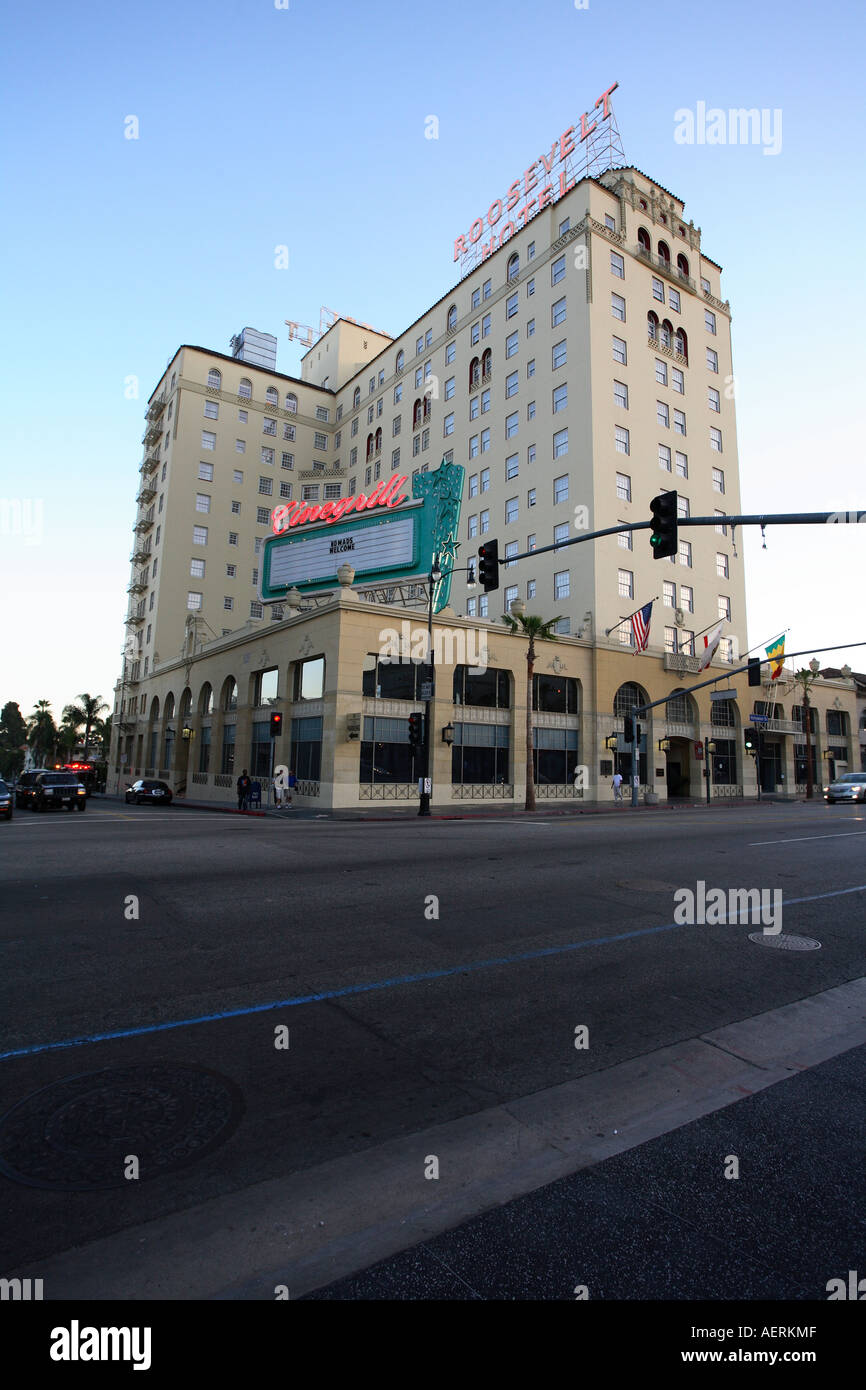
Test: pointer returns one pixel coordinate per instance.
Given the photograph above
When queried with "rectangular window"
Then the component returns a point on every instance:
(709, 321)
(476, 298)
(712, 360)
(289, 431)
(530, 328)
(683, 507)
(256, 609)
(560, 354)
(511, 510)
(485, 401)
(670, 639)
(674, 299)
(620, 351)
(530, 410)
(266, 486)
(530, 368)
(687, 598)
(240, 446)
(685, 554)
(530, 497)
(531, 542)
(721, 565)
(448, 424)
(557, 270)
(243, 416)
(202, 502)
(687, 642)
(208, 440)
(620, 394)
(473, 525)
(669, 594)
(617, 265)
(428, 337)
(530, 287)
(450, 353)
(663, 416)
(473, 446)
(285, 490)
(320, 441)
(682, 465)
(511, 344)
(396, 425)
(475, 333)
(262, 516)
(705, 285)
(625, 583)
(486, 289)
(512, 466)
(558, 313)
(485, 480)
(228, 603)
(449, 388)
(322, 412)
(562, 584)
(511, 594)
(473, 484)
(678, 381)
(398, 393)
(199, 535)
(716, 441)
(718, 480)
(661, 372)
(622, 441)
(205, 473)
(658, 290)
(560, 398)
(473, 408)
(269, 426)
(395, 459)
(560, 443)
(196, 569)
(193, 600)
(231, 571)
(560, 533)
(724, 607)
(623, 487)
(625, 540)
(679, 422)
(268, 456)
(511, 425)
(484, 522)
(530, 452)
(287, 460)
(511, 384)
(714, 400)
(665, 458)
(609, 222)
(617, 307)
(211, 410)
(233, 537)
(560, 488)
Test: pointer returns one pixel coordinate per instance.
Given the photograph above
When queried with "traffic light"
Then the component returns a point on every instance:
(416, 730)
(754, 670)
(488, 566)
(276, 723)
(628, 728)
(663, 537)
(750, 738)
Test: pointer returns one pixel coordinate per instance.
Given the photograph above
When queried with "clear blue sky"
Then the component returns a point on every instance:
(305, 127)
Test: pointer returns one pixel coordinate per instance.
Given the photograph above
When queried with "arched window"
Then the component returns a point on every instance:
(451, 321)
(678, 707)
(416, 415)
(230, 693)
(683, 265)
(643, 239)
(664, 252)
(643, 204)
(369, 445)
(487, 362)
(245, 389)
(379, 440)
(681, 343)
(154, 707)
(272, 396)
(356, 399)
(185, 704)
(428, 409)
(398, 366)
(169, 706)
(291, 401)
(663, 218)
(513, 266)
(652, 325)
(214, 378)
(474, 372)
(205, 699)
(628, 697)
(667, 333)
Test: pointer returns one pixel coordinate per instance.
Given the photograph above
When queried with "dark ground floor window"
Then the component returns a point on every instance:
(724, 762)
(385, 752)
(554, 756)
(261, 749)
(204, 748)
(480, 753)
(228, 758)
(801, 773)
(306, 756)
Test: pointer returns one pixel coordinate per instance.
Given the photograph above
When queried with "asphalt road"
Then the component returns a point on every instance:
(139, 923)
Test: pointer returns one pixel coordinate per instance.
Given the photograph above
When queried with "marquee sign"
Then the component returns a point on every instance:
(385, 536)
(560, 156)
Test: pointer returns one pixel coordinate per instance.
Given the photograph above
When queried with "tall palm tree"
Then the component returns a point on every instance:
(536, 630)
(87, 712)
(67, 731)
(805, 679)
(41, 730)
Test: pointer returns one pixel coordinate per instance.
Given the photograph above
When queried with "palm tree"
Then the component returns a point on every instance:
(87, 712)
(67, 731)
(41, 730)
(806, 679)
(537, 630)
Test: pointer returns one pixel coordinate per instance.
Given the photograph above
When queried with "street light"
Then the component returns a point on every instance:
(709, 750)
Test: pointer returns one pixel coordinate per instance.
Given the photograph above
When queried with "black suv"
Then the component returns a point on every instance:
(25, 787)
(5, 800)
(58, 789)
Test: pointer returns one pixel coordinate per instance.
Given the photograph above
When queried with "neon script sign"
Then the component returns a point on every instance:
(560, 152)
(384, 494)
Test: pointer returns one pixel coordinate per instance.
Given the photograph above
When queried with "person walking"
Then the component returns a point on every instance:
(243, 787)
(291, 783)
(617, 786)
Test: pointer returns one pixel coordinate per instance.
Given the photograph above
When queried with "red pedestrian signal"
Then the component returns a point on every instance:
(416, 730)
(276, 724)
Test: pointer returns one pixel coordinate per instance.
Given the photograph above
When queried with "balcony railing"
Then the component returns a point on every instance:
(156, 407)
(666, 350)
(671, 272)
(483, 380)
(150, 463)
(147, 491)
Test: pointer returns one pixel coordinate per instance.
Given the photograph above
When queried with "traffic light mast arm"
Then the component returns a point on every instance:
(738, 670)
(750, 519)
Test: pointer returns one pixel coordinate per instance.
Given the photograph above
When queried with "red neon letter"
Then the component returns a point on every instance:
(510, 229)
(326, 514)
(513, 195)
(566, 144)
(604, 98)
(473, 235)
(526, 183)
(544, 196)
(459, 247)
(584, 132)
(279, 517)
(547, 161)
(563, 186)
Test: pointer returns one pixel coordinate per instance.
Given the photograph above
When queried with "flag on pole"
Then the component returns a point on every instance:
(640, 626)
(711, 641)
(776, 653)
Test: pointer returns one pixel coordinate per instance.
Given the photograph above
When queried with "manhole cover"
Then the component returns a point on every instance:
(647, 885)
(784, 942)
(75, 1135)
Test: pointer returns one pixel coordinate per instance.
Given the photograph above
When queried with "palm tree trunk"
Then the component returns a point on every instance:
(530, 772)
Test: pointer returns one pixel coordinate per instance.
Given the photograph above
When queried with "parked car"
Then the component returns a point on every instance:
(851, 786)
(146, 789)
(25, 787)
(5, 801)
(53, 789)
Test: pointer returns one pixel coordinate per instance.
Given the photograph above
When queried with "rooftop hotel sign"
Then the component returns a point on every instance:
(387, 537)
(546, 180)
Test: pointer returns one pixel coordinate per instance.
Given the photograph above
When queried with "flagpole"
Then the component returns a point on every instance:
(609, 630)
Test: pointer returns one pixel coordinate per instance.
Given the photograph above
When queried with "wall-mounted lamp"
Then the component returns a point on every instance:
(664, 745)
(448, 734)
(610, 743)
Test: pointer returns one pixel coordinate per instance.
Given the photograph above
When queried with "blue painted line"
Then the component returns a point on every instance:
(469, 968)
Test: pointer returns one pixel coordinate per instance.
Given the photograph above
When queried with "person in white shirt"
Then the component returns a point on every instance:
(617, 786)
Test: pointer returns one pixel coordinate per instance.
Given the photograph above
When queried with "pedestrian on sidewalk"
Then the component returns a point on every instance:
(291, 783)
(244, 786)
(617, 786)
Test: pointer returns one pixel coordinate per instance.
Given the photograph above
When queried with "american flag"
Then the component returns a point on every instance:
(640, 626)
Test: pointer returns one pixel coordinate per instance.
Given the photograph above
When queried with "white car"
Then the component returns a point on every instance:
(851, 786)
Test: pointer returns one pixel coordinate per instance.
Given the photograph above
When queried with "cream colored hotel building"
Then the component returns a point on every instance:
(576, 372)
